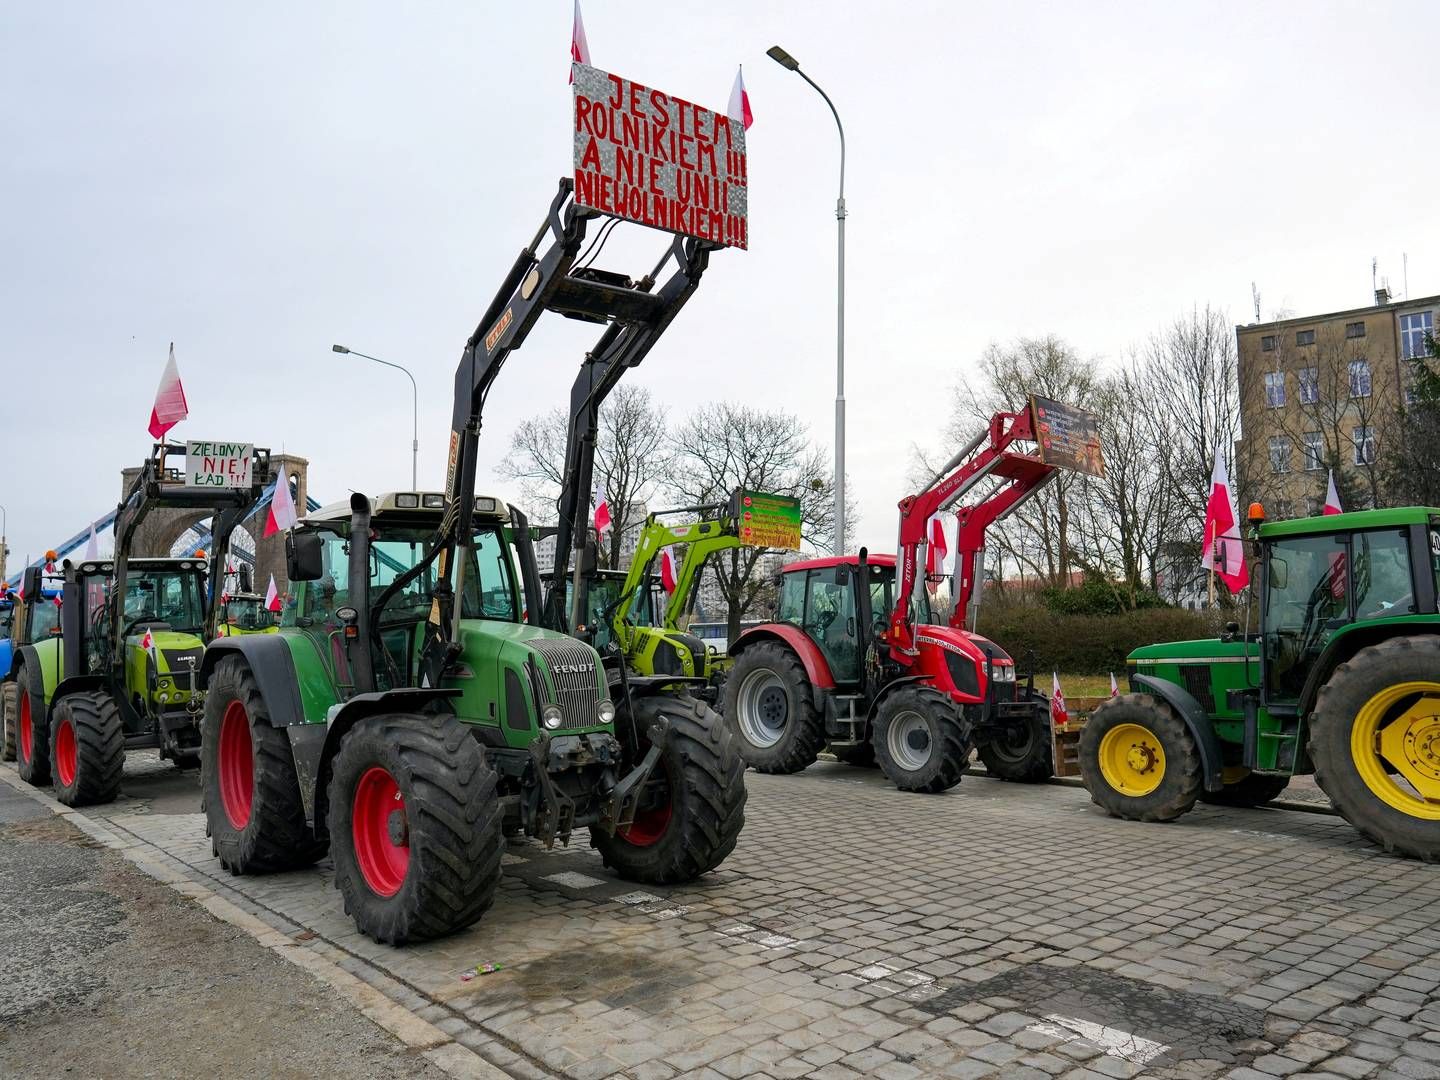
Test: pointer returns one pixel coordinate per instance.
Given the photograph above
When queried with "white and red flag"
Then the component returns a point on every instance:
(92, 549)
(1058, 713)
(1332, 497)
(579, 46)
(935, 551)
(148, 641)
(739, 100)
(282, 507)
(1114, 686)
(669, 569)
(603, 522)
(169, 408)
(1224, 550)
(272, 596)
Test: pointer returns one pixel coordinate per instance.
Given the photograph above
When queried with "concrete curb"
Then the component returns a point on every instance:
(417, 1034)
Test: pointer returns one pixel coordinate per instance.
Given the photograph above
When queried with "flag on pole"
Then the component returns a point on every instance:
(739, 100)
(1058, 713)
(603, 522)
(169, 408)
(579, 46)
(282, 507)
(669, 569)
(92, 549)
(272, 596)
(1332, 497)
(148, 641)
(935, 551)
(1114, 686)
(1223, 551)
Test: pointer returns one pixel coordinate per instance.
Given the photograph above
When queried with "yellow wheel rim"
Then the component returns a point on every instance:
(1132, 759)
(1395, 744)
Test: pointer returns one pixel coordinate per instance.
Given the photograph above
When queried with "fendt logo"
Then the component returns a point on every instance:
(569, 669)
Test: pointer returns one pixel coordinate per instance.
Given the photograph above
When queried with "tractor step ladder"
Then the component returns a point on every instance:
(846, 717)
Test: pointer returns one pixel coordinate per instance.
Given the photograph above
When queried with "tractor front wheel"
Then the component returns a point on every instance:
(87, 749)
(692, 812)
(32, 729)
(9, 702)
(248, 788)
(1249, 789)
(1022, 751)
(415, 827)
(921, 740)
(1375, 742)
(770, 707)
(1139, 760)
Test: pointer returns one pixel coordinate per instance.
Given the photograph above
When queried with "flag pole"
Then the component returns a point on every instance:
(1212, 565)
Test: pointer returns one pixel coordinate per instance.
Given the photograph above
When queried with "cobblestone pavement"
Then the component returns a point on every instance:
(997, 930)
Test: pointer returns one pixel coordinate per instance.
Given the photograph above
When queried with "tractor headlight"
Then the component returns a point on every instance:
(164, 697)
(1005, 673)
(551, 716)
(606, 711)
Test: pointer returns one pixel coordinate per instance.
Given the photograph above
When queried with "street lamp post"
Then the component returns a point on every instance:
(414, 411)
(789, 63)
(4, 547)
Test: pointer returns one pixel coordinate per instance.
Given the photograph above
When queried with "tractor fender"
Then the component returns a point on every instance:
(817, 668)
(270, 662)
(77, 684)
(1346, 644)
(890, 688)
(1212, 761)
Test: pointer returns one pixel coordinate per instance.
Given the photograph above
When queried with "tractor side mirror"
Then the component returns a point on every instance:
(30, 584)
(1279, 573)
(589, 558)
(246, 578)
(304, 550)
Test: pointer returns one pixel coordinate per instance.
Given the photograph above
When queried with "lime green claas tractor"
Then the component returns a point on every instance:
(122, 673)
(1342, 680)
(244, 613)
(35, 616)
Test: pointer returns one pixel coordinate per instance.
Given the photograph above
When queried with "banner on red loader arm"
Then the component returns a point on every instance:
(646, 156)
(1069, 438)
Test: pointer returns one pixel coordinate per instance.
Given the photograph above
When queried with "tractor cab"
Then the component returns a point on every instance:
(244, 613)
(603, 595)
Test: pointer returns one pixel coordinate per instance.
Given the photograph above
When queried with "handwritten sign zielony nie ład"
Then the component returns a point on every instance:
(217, 464)
(645, 156)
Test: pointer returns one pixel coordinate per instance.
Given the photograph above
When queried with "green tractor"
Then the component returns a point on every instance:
(1342, 680)
(34, 616)
(122, 673)
(412, 710)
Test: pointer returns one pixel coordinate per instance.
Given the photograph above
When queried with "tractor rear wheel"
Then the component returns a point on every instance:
(1022, 752)
(9, 702)
(1139, 760)
(696, 799)
(861, 755)
(87, 749)
(1375, 742)
(1251, 789)
(415, 827)
(248, 788)
(770, 708)
(32, 729)
(921, 740)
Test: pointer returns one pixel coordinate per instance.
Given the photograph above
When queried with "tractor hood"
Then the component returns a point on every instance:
(1197, 651)
(171, 648)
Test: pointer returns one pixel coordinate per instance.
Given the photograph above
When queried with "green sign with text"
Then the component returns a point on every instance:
(765, 520)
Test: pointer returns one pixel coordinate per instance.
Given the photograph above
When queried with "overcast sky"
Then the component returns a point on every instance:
(259, 181)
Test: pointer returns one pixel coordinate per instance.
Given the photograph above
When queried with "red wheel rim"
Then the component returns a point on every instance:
(27, 735)
(65, 752)
(380, 830)
(649, 826)
(235, 762)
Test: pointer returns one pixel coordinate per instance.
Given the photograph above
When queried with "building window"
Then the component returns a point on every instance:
(1354, 329)
(1359, 378)
(1274, 389)
(1413, 329)
(1304, 337)
(1364, 438)
(1284, 510)
(1279, 454)
(1309, 385)
(1314, 444)
(1267, 343)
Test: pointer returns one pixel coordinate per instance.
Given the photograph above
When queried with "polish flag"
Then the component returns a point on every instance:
(669, 569)
(272, 596)
(169, 408)
(282, 507)
(147, 642)
(603, 522)
(1332, 497)
(739, 100)
(936, 551)
(579, 46)
(92, 549)
(1114, 686)
(1058, 713)
(1224, 551)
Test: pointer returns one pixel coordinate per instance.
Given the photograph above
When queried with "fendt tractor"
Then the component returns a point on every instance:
(122, 673)
(1341, 680)
(855, 659)
(411, 710)
(34, 616)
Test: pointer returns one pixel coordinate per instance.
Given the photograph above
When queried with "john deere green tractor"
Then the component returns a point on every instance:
(1342, 680)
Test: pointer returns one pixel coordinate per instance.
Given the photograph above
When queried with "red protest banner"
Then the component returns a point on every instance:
(645, 156)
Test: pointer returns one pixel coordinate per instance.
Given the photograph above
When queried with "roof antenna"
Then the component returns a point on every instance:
(1255, 293)
(1374, 264)
(1405, 270)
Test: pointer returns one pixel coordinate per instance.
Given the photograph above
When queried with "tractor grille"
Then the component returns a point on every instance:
(572, 667)
(1200, 682)
(175, 659)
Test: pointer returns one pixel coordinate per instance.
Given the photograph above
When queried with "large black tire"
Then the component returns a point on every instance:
(1164, 779)
(1346, 708)
(33, 763)
(9, 702)
(702, 809)
(1252, 789)
(249, 792)
(1023, 755)
(444, 813)
(87, 749)
(921, 740)
(861, 755)
(770, 706)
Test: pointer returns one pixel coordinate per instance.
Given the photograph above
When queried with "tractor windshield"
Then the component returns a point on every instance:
(247, 613)
(44, 618)
(171, 597)
(1305, 601)
(7, 620)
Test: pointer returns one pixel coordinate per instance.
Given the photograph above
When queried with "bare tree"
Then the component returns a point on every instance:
(1411, 456)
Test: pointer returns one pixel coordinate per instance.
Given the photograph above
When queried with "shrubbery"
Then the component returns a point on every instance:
(1096, 596)
(1088, 644)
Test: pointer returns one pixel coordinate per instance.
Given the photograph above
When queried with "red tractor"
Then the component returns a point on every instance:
(855, 658)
